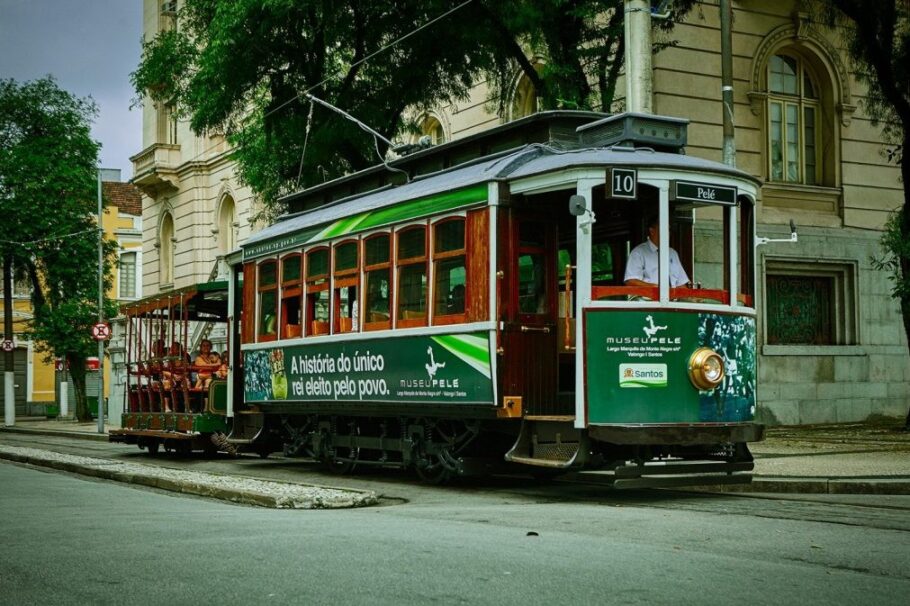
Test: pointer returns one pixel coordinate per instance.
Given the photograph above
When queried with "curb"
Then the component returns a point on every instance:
(60, 433)
(817, 485)
(207, 484)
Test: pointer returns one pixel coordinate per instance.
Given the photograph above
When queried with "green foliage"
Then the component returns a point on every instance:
(48, 199)
(896, 247)
(878, 37)
(238, 68)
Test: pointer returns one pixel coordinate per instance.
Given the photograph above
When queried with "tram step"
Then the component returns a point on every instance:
(555, 443)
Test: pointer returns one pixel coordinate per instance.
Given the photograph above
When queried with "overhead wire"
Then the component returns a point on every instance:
(339, 73)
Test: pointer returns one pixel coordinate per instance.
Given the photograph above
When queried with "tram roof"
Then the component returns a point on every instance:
(204, 301)
(527, 161)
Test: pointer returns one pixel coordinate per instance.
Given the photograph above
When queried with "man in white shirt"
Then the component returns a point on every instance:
(642, 266)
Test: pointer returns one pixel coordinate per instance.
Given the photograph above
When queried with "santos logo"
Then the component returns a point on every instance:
(642, 375)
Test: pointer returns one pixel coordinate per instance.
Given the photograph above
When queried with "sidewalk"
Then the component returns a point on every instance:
(854, 458)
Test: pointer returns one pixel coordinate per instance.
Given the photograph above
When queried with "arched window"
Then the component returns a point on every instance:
(524, 100)
(411, 261)
(346, 279)
(166, 250)
(431, 127)
(377, 277)
(449, 270)
(268, 300)
(225, 222)
(794, 121)
(317, 291)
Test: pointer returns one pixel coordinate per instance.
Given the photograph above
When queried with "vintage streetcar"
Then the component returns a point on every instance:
(566, 292)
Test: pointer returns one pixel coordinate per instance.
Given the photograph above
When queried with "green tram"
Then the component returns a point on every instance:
(566, 292)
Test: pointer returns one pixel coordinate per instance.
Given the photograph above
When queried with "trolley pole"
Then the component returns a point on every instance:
(726, 76)
(100, 308)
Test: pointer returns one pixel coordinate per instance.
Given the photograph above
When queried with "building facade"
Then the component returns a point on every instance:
(832, 346)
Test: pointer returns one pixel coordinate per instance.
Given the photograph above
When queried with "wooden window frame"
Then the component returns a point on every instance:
(801, 103)
(342, 279)
(367, 269)
(260, 290)
(444, 319)
(549, 267)
(312, 288)
(402, 263)
(290, 289)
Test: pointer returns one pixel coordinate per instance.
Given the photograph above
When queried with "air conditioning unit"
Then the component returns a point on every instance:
(169, 8)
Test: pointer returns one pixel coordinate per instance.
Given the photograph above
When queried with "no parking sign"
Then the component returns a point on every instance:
(101, 331)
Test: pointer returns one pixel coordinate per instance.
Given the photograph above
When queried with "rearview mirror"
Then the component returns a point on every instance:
(577, 205)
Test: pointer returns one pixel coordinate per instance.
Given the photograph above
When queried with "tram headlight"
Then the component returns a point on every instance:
(706, 368)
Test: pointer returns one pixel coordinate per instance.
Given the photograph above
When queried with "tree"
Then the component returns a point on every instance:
(878, 37)
(48, 199)
(239, 69)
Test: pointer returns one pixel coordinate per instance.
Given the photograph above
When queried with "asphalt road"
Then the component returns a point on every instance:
(69, 540)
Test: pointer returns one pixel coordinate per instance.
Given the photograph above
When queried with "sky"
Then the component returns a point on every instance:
(90, 46)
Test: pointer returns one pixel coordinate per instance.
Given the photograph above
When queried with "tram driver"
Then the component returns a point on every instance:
(642, 266)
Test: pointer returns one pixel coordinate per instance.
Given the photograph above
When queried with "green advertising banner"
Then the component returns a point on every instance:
(439, 369)
(637, 366)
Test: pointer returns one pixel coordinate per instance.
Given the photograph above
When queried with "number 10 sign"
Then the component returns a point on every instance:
(622, 183)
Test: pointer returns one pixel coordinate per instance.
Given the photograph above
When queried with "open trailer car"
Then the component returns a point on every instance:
(478, 310)
(175, 399)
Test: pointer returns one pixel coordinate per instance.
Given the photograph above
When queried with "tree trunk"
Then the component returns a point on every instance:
(77, 374)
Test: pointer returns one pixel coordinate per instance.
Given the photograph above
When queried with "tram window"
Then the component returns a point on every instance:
(377, 281)
(317, 291)
(268, 300)
(532, 284)
(412, 277)
(449, 268)
(601, 263)
(347, 262)
(290, 297)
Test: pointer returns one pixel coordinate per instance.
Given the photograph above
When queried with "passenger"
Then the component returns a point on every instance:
(206, 362)
(456, 300)
(222, 371)
(642, 267)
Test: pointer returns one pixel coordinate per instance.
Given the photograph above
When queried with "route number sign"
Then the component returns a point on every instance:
(622, 183)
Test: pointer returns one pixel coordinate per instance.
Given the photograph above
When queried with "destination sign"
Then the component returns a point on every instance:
(702, 192)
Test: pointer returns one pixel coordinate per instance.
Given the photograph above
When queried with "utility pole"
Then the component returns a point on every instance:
(637, 30)
(726, 77)
(9, 389)
(100, 308)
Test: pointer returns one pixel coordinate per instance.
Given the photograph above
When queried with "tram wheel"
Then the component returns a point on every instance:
(342, 460)
(434, 472)
(152, 447)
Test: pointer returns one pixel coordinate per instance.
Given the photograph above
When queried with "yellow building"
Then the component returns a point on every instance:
(36, 380)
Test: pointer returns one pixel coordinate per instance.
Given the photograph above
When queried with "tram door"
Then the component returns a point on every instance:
(529, 300)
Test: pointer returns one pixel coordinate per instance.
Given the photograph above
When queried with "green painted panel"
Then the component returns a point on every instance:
(637, 367)
(209, 423)
(403, 211)
(420, 368)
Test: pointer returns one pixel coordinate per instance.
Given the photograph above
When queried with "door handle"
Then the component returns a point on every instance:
(544, 329)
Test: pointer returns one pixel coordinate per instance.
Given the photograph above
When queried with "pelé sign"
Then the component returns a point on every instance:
(687, 191)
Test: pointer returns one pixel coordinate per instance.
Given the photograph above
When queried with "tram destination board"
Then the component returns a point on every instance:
(690, 191)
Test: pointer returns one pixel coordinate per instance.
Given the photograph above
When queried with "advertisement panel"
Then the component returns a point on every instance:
(637, 370)
(421, 368)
